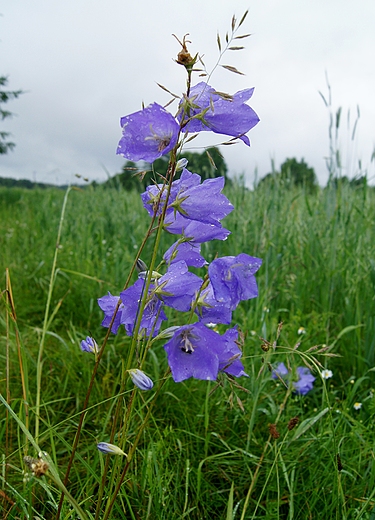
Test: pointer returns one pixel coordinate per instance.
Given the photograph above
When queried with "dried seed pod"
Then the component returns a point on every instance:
(273, 431)
(293, 423)
(38, 467)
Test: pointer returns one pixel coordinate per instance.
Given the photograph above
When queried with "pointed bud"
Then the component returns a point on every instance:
(181, 164)
(89, 345)
(140, 379)
(110, 449)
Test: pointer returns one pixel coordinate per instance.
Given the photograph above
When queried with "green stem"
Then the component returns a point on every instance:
(39, 366)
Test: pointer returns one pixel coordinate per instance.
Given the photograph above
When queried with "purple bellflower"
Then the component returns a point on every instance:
(110, 449)
(233, 279)
(187, 251)
(199, 352)
(209, 310)
(207, 110)
(177, 287)
(148, 134)
(305, 382)
(153, 313)
(108, 305)
(89, 345)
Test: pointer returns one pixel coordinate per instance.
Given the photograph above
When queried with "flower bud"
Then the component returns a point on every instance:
(89, 345)
(181, 164)
(140, 379)
(110, 449)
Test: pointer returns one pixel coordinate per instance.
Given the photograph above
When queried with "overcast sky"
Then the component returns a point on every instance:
(85, 63)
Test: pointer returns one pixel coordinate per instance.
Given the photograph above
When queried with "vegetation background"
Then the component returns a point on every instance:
(208, 451)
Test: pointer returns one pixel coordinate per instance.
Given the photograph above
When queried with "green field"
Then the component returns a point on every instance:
(206, 451)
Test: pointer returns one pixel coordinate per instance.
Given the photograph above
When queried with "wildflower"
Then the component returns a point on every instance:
(326, 374)
(357, 406)
(233, 279)
(209, 309)
(280, 370)
(177, 287)
(301, 330)
(194, 231)
(207, 110)
(199, 352)
(190, 252)
(153, 313)
(140, 379)
(305, 382)
(110, 449)
(148, 134)
(89, 345)
(229, 357)
(108, 305)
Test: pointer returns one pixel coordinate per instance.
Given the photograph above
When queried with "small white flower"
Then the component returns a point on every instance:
(301, 330)
(327, 374)
(357, 406)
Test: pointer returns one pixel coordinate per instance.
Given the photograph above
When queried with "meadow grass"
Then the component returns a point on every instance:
(207, 451)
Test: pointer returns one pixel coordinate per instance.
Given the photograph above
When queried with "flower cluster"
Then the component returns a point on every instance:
(192, 210)
(304, 383)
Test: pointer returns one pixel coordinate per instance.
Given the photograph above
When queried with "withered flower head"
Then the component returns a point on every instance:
(273, 431)
(184, 57)
(293, 423)
(38, 467)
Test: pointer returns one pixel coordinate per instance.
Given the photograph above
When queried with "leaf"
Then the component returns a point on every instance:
(232, 69)
(230, 503)
(308, 423)
(211, 160)
(233, 22)
(235, 48)
(218, 41)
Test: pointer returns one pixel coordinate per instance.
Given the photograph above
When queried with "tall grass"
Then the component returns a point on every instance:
(318, 273)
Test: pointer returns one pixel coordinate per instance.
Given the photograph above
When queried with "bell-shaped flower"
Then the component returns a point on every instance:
(153, 313)
(209, 310)
(148, 134)
(229, 358)
(108, 305)
(192, 353)
(233, 279)
(208, 110)
(177, 287)
(187, 251)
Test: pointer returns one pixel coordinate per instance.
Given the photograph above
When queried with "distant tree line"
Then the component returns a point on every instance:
(208, 164)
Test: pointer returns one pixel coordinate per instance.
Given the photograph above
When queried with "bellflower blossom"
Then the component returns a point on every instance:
(108, 305)
(177, 287)
(199, 352)
(209, 310)
(153, 313)
(190, 252)
(207, 110)
(148, 134)
(233, 279)
(305, 382)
